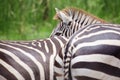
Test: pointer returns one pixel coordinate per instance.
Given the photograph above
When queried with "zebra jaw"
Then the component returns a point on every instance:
(63, 17)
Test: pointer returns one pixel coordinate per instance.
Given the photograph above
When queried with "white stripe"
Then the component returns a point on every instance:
(79, 17)
(40, 67)
(11, 70)
(64, 38)
(107, 59)
(39, 44)
(94, 21)
(33, 43)
(67, 59)
(25, 66)
(82, 18)
(98, 33)
(76, 36)
(59, 70)
(93, 28)
(95, 43)
(60, 78)
(90, 20)
(111, 26)
(86, 20)
(74, 79)
(30, 47)
(61, 43)
(66, 64)
(59, 60)
(93, 74)
(66, 70)
(76, 15)
(79, 26)
(98, 22)
(2, 77)
(46, 46)
(87, 29)
(52, 57)
(66, 76)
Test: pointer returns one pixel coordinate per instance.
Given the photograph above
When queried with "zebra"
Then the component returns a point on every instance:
(93, 53)
(69, 20)
(72, 20)
(29, 60)
(16, 58)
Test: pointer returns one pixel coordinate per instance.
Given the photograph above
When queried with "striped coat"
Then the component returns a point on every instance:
(93, 53)
(29, 60)
(71, 20)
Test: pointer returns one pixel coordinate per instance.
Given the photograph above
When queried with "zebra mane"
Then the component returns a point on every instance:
(76, 13)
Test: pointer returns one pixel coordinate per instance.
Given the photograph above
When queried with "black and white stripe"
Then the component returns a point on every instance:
(93, 53)
(30, 60)
(69, 20)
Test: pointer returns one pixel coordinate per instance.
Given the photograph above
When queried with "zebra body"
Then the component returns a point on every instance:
(31, 60)
(34, 60)
(93, 53)
(71, 20)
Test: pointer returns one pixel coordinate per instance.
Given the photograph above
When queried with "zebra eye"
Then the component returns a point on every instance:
(69, 23)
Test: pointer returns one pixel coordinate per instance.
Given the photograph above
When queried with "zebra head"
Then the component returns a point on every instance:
(65, 20)
(71, 20)
(62, 16)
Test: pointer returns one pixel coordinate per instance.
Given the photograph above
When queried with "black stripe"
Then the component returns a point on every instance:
(87, 21)
(99, 49)
(56, 75)
(80, 18)
(74, 27)
(104, 36)
(84, 78)
(108, 69)
(100, 27)
(49, 47)
(73, 16)
(4, 72)
(62, 39)
(25, 59)
(15, 65)
(47, 55)
(57, 64)
(83, 21)
(30, 51)
(42, 48)
(57, 44)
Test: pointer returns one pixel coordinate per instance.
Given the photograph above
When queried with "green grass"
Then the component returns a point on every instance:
(33, 19)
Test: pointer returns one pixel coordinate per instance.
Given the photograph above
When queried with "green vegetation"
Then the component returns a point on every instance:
(33, 19)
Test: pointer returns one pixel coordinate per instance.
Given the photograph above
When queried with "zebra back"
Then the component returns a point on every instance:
(93, 53)
(69, 18)
(31, 60)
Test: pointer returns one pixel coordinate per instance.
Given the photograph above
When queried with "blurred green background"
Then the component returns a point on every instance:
(33, 19)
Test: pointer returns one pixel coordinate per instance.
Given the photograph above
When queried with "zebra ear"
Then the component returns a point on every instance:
(62, 16)
(57, 10)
